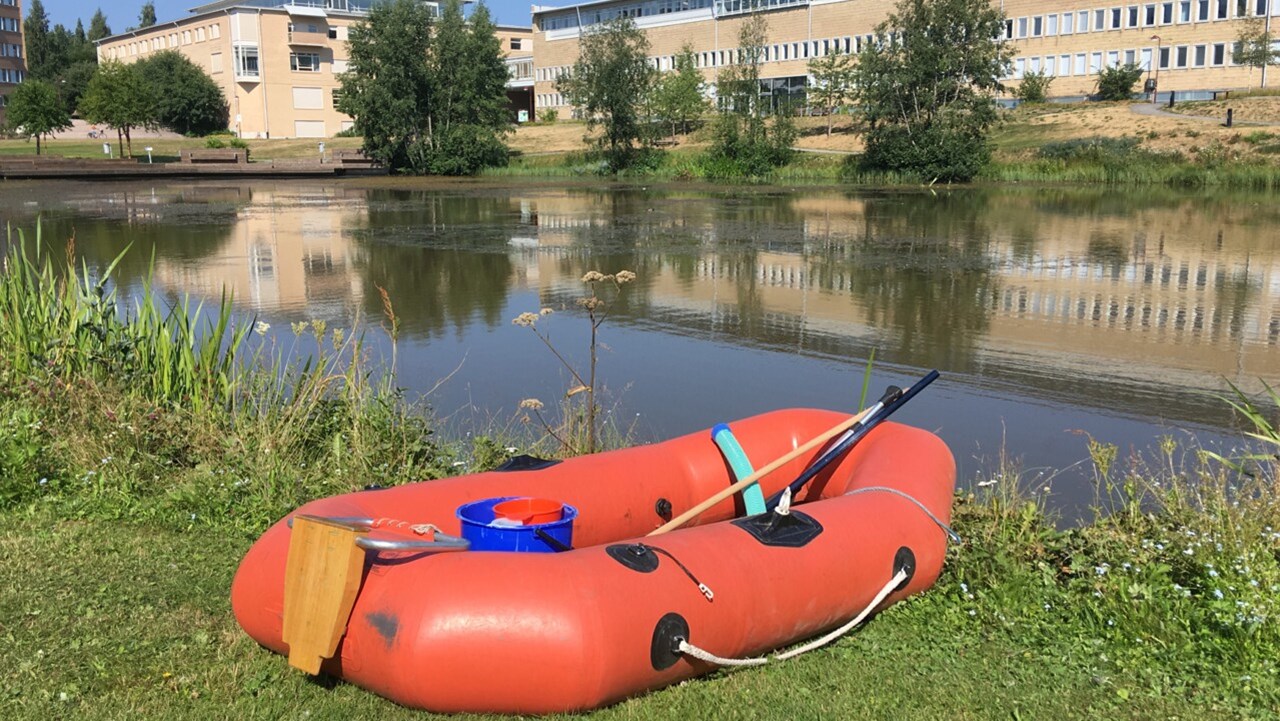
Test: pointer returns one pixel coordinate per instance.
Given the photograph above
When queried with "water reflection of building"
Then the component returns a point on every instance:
(1167, 290)
(287, 251)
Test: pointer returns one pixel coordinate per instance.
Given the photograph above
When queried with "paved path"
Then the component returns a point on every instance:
(1158, 111)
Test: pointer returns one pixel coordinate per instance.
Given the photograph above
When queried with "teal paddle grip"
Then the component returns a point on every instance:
(752, 496)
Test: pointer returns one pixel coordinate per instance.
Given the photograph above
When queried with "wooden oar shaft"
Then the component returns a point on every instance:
(724, 493)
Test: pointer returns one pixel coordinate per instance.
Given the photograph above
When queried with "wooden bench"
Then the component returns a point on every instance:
(214, 155)
(353, 158)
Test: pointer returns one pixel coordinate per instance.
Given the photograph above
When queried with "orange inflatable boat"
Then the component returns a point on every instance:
(618, 614)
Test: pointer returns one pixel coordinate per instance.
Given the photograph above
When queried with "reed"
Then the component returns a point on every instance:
(187, 411)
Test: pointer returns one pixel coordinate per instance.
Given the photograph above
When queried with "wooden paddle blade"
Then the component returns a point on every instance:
(321, 580)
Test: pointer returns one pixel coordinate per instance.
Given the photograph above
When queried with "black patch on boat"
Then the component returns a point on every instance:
(636, 556)
(664, 650)
(904, 560)
(526, 463)
(385, 624)
(793, 530)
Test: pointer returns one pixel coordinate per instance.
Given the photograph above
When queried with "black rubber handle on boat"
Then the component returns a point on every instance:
(857, 434)
(552, 541)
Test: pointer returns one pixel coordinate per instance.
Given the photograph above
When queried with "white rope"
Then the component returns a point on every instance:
(705, 655)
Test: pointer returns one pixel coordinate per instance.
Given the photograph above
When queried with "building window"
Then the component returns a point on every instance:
(1166, 14)
(1149, 15)
(1083, 17)
(215, 31)
(1113, 58)
(1181, 56)
(1051, 25)
(200, 34)
(1219, 53)
(333, 33)
(1164, 58)
(304, 62)
(1068, 23)
(1199, 57)
(1081, 68)
(1132, 17)
(517, 43)
(246, 61)
(1130, 57)
(1099, 20)
(1117, 17)
(1037, 26)
(1202, 10)
(1222, 10)
(1022, 27)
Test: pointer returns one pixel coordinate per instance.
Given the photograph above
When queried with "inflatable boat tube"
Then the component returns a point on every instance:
(533, 633)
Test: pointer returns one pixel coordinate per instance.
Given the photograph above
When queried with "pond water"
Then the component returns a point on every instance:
(1051, 312)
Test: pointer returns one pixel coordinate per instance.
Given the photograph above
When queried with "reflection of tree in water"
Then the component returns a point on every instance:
(1108, 250)
(922, 271)
(433, 289)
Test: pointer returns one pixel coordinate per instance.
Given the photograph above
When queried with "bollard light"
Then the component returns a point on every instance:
(148, 154)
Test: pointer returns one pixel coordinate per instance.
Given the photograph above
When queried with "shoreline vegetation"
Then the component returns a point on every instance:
(1087, 143)
(143, 447)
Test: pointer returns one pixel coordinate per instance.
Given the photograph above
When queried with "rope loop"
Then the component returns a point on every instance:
(704, 655)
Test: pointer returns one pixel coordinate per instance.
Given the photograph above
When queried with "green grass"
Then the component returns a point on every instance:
(118, 619)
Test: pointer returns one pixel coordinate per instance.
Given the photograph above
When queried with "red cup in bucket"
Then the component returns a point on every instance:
(530, 511)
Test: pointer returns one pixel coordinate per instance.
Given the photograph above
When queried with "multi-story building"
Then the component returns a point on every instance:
(277, 61)
(1186, 43)
(13, 50)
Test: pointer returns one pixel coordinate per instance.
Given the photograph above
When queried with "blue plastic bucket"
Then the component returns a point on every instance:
(479, 528)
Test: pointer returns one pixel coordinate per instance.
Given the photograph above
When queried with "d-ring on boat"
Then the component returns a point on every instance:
(619, 614)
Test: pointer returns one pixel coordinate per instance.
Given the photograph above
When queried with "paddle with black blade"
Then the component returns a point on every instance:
(893, 399)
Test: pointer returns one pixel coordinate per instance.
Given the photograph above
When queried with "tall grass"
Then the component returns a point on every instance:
(126, 406)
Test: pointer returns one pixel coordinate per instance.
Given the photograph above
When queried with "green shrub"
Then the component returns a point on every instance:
(1116, 82)
(549, 115)
(743, 149)
(1258, 137)
(237, 143)
(932, 153)
(214, 142)
(1034, 87)
(464, 150)
(350, 132)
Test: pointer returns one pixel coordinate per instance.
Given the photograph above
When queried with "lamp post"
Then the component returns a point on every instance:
(1155, 82)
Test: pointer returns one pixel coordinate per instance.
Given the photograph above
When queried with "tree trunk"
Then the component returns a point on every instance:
(830, 111)
(37, 143)
(120, 141)
(128, 140)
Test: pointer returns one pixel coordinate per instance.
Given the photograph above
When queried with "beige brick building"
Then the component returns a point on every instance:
(276, 61)
(1186, 43)
(13, 50)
